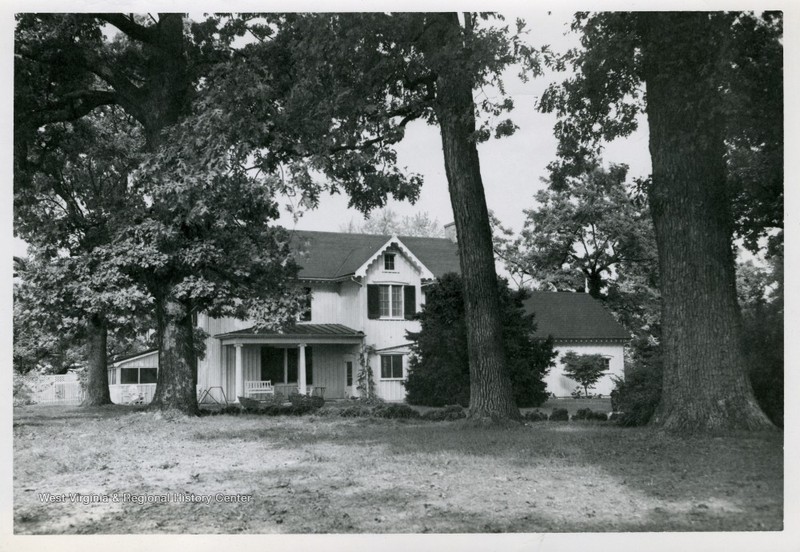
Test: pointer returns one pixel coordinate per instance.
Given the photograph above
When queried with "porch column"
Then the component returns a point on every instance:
(286, 365)
(239, 376)
(301, 369)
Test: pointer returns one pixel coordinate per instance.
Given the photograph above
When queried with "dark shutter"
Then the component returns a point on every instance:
(373, 301)
(309, 365)
(410, 306)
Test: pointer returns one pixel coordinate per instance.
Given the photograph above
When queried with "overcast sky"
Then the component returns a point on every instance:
(512, 167)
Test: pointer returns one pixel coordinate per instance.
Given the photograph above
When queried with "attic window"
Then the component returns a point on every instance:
(388, 261)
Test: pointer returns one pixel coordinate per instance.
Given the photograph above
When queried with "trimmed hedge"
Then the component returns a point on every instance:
(589, 414)
(535, 416)
(559, 415)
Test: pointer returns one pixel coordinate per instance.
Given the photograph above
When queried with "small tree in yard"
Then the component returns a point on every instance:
(585, 369)
(439, 368)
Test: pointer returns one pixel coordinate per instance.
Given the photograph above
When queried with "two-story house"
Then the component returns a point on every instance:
(363, 291)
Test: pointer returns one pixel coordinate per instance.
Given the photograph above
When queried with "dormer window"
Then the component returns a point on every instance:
(388, 261)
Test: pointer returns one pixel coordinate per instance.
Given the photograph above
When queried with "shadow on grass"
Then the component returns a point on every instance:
(48, 415)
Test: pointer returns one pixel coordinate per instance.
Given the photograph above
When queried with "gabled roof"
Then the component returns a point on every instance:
(335, 255)
(573, 317)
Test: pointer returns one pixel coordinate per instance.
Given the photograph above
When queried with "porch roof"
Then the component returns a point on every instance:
(300, 333)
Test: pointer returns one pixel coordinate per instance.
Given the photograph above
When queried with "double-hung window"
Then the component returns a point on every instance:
(391, 300)
(391, 366)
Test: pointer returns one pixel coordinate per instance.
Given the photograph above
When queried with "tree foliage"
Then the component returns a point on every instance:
(588, 235)
(226, 127)
(760, 290)
(696, 68)
(439, 366)
(71, 194)
(585, 369)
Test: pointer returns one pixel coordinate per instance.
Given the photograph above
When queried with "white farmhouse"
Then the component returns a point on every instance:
(363, 291)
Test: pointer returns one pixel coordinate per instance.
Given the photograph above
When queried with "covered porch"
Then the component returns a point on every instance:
(318, 359)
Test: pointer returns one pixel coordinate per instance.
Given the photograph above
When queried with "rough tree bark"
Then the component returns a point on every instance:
(97, 392)
(490, 385)
(705, 384)
(177, 374)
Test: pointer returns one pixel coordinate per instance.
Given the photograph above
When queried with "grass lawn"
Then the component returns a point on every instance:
(332, 475)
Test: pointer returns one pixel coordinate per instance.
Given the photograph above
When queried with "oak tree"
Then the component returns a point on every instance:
(693, 66)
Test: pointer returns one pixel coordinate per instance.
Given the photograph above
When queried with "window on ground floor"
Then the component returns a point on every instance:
(349, 373)
(137, 376)
(391, 366)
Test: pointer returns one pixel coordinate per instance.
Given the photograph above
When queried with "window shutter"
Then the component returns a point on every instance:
(373, 302)
(309, 365)
(410, 300)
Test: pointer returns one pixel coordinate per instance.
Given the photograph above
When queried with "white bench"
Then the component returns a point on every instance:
(258, 389)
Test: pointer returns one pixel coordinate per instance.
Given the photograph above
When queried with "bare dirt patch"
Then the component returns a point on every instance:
(331, 475)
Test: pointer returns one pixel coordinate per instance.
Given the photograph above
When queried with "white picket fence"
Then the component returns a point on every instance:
(60, 389)
(65, 389)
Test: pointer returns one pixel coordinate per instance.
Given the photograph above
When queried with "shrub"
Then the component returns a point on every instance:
(559, 415)
(439, 365)
(589, 414)
(448, 413)
(535, 416)
(328, 411)
(637, 396)
(355, 411)
(304, 401)
(227, 410)
(401, 411)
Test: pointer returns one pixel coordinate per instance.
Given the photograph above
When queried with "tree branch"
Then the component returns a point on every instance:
(127, 25)
(73, 106)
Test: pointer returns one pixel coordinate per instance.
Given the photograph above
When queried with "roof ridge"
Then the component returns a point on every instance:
(387, 236)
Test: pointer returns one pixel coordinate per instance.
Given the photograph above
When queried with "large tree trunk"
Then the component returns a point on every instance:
(176, 387)
(490, 385)
(705, 385)
(167, 98)
(97, 392)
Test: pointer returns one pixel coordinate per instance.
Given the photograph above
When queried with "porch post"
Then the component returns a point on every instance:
(301, 369)
(239, 378)
(286, 365)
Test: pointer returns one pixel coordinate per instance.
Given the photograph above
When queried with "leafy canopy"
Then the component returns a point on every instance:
(604, 98)
(585, 369)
